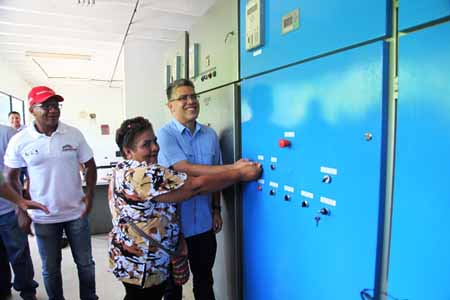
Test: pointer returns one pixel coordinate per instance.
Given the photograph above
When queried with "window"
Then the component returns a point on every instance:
(9, 103)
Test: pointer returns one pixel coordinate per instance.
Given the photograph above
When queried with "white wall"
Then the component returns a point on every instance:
(11, 83)
(144, 91)
(82, 99)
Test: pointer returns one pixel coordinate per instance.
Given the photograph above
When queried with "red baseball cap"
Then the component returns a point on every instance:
(40, 94)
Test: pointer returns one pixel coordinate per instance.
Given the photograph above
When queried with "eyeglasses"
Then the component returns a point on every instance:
(184, 98)
(49, 105)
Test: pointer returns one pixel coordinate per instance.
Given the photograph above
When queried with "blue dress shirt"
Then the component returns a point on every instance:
(177, 143)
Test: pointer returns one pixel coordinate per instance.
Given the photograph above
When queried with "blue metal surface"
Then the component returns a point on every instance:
(415, 12)
(420, 248)
(324, 26)
(330, 104)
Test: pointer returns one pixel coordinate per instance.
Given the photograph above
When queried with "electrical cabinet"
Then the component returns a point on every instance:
(420, 247)
(218, 111)
(214, 41)
(310, 223)
(175, 61)
(415, 12)
(292, 31)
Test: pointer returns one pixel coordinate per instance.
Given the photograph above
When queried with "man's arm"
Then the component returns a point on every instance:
(12, 177)
(91, 181)
(11, 195)
(216, 210)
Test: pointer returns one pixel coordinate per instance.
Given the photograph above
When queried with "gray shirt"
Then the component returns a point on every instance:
(6, 133)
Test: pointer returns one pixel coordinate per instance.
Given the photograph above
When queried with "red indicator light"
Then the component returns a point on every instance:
(284, 143)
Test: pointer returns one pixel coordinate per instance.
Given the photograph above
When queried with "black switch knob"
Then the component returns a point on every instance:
(305, 204)
(326, 179)
(272, 192)
(324, 211)
(273, 166)
(287, 197)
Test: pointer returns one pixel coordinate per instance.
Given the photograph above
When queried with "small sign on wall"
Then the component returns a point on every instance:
(104, 129)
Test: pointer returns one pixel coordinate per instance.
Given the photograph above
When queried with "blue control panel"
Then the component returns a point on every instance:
(415, 12)
(310, 223)
(321, 27)
(420, 248)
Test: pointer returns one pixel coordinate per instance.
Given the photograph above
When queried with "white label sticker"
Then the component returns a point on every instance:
(261, 181)
(273, 159)
(289, 134)
(273, 184)
(257, 52)
(307, 194)
(260, 157)
(289, 189)
(326, 170)
(328, 201)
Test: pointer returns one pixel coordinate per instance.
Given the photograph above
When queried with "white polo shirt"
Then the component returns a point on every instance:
(53, 168)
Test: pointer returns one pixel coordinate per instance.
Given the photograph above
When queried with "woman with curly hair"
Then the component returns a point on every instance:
(142, 198)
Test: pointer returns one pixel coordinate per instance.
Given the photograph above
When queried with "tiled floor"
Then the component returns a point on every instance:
(108, 288)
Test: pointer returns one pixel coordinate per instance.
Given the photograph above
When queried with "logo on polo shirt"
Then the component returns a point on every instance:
(68, 147)
(31, 152)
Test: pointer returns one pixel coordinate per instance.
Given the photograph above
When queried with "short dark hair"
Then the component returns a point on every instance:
(129, 129)
(13, 112)
(177, 83)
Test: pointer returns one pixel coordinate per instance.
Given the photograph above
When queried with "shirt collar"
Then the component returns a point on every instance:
(32, 128)
(181, 128)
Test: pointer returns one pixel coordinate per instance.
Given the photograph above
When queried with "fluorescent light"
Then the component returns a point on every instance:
(58, 55)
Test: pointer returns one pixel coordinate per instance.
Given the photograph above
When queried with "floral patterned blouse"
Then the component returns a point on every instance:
(132, 259)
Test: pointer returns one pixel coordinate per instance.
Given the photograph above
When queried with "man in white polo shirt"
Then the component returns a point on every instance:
(52, 152)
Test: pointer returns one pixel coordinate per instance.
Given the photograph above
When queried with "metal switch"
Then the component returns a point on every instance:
(326, 179)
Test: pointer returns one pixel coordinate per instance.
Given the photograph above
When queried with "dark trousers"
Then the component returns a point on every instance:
(202, 253)
(134, 292)
(14, 250)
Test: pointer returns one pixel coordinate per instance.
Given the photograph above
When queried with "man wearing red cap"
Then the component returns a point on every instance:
(52, 152)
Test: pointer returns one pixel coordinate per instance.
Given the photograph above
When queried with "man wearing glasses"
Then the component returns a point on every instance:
(52, 152)
(191, 147)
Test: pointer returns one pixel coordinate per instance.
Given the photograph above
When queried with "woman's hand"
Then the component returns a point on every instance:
(251, 171)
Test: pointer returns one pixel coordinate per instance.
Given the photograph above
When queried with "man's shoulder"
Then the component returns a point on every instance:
(69, 131)
(167, 129)
(67, 127)
(21, 137)
(6, 130)
(208, 130)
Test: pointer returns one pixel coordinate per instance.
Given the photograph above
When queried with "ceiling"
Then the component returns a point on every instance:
(81, 40)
